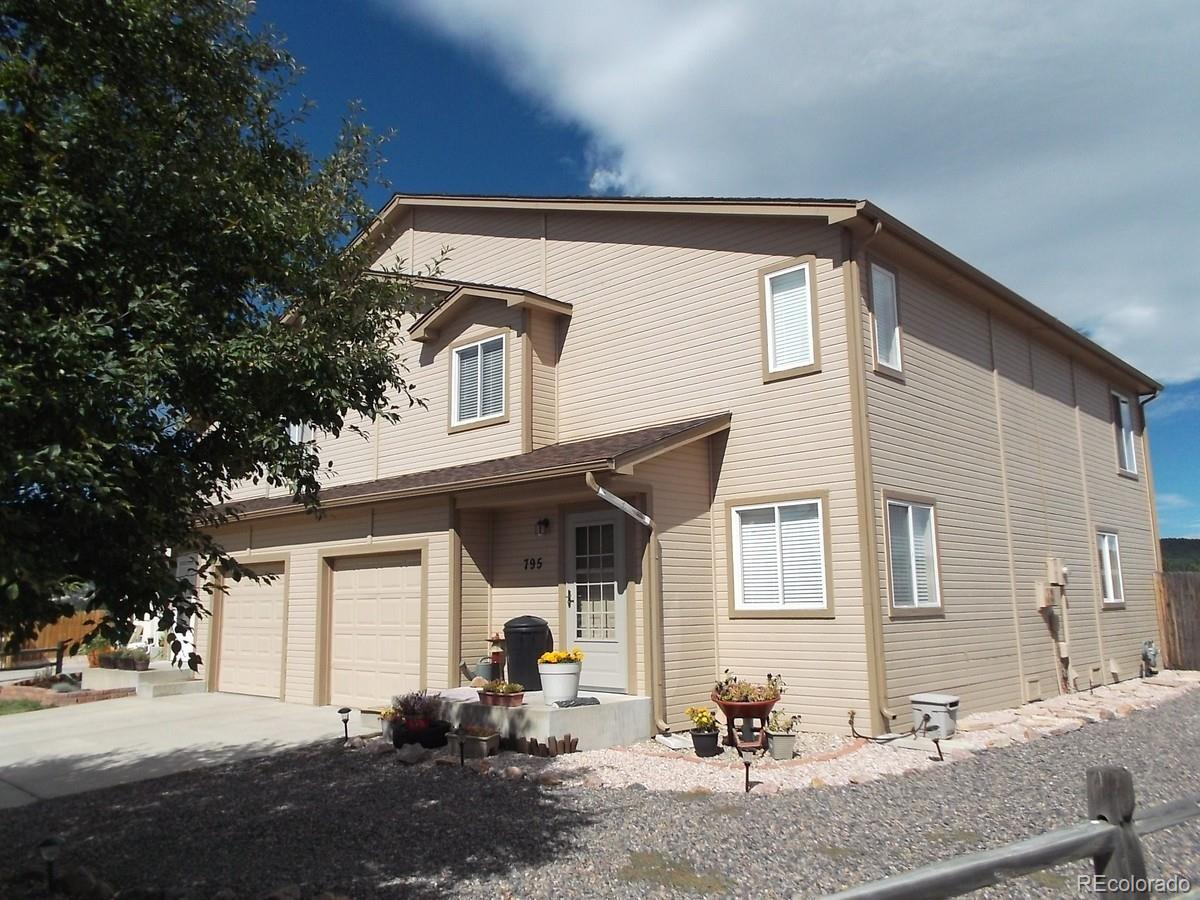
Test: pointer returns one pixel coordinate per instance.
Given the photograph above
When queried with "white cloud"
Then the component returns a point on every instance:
(1052, 145)
(1173, 501)
(1175, 401)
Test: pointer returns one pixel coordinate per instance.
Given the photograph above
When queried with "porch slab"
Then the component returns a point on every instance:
(617, 720)
(161, 679)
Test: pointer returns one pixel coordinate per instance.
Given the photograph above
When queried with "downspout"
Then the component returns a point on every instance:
(1165, 647)
(653, 599)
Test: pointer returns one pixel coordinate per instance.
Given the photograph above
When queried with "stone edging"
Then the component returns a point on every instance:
(47, 697)
(852, 746)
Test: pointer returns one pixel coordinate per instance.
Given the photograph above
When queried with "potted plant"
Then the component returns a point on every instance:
(125, 659)
(107, 659)
(418, 722)
(781, 734)
(95, 648)
(502, 693)
(746, 700)
(704, 730)
(478, 741)
(559, 670)
(388, 717)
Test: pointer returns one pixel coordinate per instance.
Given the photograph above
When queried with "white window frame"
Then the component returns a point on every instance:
(936, 602)
(880, 362)
(456, 417)
(1112, 590)
(739, 603)
(299, 432)
(768, 311)
(1126, 438)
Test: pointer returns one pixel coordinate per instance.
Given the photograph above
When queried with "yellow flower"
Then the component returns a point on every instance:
(554, 657)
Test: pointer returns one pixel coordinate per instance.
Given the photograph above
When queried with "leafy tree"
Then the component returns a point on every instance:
(1181, 554)
(175, 288)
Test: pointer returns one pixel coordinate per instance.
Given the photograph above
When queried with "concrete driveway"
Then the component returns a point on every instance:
(56, 752)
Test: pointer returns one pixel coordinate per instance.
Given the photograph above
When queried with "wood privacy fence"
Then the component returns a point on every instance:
(1179, 594)
(1111, 838)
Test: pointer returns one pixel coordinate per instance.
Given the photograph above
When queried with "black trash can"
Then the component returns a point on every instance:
(525, 639)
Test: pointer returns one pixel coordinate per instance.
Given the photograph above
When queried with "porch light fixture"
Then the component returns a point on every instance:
(344, 712)
(49, 851)
(542, 527)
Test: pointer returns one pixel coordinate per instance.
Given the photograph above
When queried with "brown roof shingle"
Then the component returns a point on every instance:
(599, 453)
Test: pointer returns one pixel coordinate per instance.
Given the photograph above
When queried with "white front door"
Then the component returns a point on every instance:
(596, 607)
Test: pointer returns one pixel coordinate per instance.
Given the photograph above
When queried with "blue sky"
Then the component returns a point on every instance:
(993, 132)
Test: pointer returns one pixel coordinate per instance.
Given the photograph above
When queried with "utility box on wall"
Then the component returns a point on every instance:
(942, 710)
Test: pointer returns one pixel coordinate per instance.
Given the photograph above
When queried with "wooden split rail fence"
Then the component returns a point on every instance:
(1111, 839)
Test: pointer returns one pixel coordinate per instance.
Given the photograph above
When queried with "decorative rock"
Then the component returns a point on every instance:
(411, 754)
(593, 782)
(380, 747)
(998, 741)
(985, 720)
(78, 882)
(547, 779)
(445, 761)
(1066, 725)
(766, 788)
(817, 783)
(514, 773)
(355, 743)
(482, 766)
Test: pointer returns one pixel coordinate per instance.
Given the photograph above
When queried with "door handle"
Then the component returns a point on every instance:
(569, 603)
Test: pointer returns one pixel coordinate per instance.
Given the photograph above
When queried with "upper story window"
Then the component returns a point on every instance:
(1123, 425)
(478, 381)
(789, 319)
(912, 555)
(887, 317)
(779, 556)
(1110, 567)
(300, 433)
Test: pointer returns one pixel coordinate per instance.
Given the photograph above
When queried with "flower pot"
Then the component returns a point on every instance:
(141, 665)
(734, 709)
(386, 727)
(782, 746)
(430, 737)
(560, 681)
(473, 746)
(93, 658)
(489, 699)
(108, 661)
(705, 742)
(125, 662)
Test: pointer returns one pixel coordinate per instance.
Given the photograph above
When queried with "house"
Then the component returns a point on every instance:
(866, 465)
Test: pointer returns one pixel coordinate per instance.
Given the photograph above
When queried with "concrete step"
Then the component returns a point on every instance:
(172, 688)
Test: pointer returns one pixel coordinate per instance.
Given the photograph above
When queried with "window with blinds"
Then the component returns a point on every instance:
(887, 317)
(912, 552)
(478, 381)
(789, 319)
(779, 556)
(1123, 423)
(1110, 567)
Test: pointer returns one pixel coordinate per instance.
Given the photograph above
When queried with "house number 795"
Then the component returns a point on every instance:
(533, 562)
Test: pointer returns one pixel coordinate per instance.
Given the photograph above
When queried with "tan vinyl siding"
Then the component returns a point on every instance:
(516, 590)
(475, 527)
(681, 513)
(1120, 504)
(303, 538)
(999, 451)
(934, 437)
(543, 346)
(666, 325)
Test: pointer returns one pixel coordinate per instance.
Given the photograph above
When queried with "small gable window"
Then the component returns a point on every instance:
(478, 388)
(791, 339)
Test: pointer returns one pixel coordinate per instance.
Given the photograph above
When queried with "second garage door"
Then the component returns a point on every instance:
(375, 639)
(251, 652)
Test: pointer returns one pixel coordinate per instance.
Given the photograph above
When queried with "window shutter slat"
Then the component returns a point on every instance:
(790, 302)
(492, 400)
(758, 557)
(468, 383)
(802, 543)
(924, 564)
(900, 544)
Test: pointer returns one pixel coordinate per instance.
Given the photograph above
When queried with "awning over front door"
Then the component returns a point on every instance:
(614, 453)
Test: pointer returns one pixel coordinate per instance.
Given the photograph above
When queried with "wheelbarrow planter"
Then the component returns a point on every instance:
(747, 712)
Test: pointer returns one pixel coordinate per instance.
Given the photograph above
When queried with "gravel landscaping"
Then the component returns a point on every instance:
(361, 824)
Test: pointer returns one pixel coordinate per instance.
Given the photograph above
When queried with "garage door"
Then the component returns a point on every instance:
(375, 644)
(252, 616)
